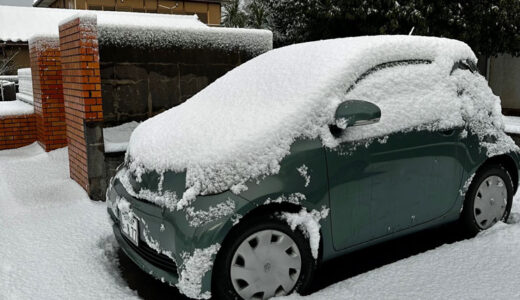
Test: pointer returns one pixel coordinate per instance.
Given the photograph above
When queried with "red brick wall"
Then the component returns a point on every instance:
(48, 92)
(81, 89)
(17, 131)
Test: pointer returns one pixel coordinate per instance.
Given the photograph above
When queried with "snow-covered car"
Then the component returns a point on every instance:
(309, 152)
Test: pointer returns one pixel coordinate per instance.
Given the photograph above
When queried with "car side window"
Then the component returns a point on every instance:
(410, 94)
(387, 65)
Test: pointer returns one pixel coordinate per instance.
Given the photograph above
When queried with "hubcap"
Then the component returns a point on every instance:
(490, 202)
(266, 264)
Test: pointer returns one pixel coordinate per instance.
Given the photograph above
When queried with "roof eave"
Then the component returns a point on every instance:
(43, 3)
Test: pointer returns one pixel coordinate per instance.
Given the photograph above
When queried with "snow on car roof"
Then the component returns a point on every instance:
(242, 125)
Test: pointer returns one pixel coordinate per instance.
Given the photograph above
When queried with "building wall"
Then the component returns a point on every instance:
(504, 80)
(208, 12)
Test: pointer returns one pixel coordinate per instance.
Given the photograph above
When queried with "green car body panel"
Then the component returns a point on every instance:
(376, 190)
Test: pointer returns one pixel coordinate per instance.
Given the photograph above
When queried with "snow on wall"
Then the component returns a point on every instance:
(43, 42)
(15, 108)
(127, 28)
(285, 94)
(116, 138)
(230, 39)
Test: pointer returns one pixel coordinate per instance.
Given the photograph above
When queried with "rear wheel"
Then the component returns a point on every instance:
(262, 258)
(488, 199)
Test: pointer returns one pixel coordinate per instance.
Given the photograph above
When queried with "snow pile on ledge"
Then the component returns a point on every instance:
(252, 41)
(512, 124)
(117, 137)
(241, 126)
(15, 108)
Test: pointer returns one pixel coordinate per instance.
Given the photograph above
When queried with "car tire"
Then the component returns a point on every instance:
(488, 200)
(247, 231)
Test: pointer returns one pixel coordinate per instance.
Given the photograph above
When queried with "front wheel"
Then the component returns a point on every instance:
(262, 258)
(488, 199)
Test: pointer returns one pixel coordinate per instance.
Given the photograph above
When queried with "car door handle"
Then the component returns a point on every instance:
(447, 132)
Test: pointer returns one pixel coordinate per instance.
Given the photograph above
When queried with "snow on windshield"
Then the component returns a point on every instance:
(241, 126)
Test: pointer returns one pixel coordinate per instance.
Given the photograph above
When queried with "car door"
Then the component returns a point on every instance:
(388, 177)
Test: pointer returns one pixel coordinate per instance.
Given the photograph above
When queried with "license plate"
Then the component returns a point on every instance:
(130, 228)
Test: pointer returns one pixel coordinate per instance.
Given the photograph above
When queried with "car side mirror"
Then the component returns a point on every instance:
(356, 113)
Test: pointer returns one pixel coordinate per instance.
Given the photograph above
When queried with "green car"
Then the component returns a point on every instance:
(309, 152)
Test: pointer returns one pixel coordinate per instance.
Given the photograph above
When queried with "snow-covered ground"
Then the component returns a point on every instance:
(485, 267)
(54, 242)
(57, 244)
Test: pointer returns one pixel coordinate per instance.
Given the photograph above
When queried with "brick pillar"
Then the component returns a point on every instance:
(83, 103)
(48, 92)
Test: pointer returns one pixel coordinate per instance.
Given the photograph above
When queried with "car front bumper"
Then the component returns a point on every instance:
(144, 260)
(167, 238)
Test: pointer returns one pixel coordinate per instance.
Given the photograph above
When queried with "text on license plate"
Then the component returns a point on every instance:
(129, 227)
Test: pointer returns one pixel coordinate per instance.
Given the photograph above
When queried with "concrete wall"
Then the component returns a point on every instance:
(137, 84)
(504, 80)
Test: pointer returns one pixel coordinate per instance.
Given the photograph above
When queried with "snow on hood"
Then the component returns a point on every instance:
(241, 126)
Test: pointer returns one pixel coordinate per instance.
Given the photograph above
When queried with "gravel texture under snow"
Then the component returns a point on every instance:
(512, 124)
(15, 108)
